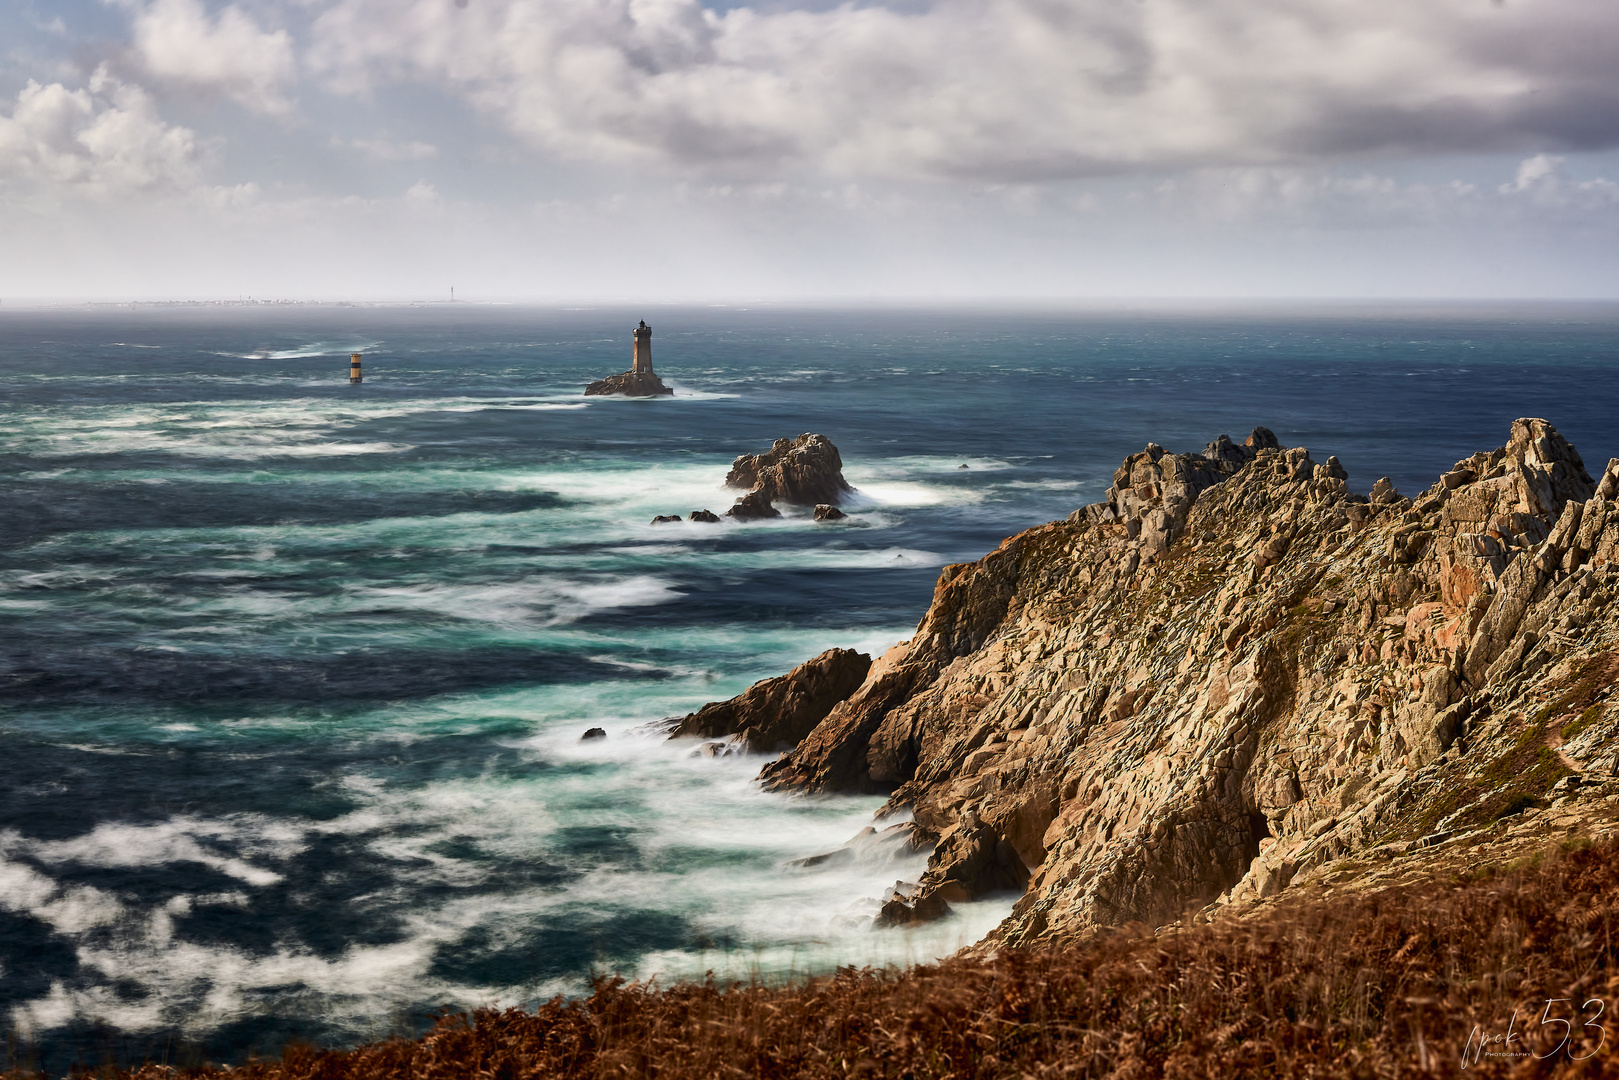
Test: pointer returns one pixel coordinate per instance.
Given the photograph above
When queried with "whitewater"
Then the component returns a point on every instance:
(294, 672)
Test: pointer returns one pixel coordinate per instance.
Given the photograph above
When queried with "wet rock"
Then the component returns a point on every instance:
(664, 519)
(629, 384)
(706, 516)
(776, 714)
(753, 506)
(802, 472)
(825, 512)
(591, 734)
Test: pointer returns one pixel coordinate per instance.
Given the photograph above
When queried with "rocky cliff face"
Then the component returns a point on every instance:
(1236, 675)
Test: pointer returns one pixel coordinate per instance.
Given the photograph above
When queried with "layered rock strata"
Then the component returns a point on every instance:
(1236, 675)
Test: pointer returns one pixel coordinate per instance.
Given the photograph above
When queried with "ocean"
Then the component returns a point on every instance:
(293, 673)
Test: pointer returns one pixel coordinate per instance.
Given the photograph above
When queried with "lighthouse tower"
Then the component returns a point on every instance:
(642, 362)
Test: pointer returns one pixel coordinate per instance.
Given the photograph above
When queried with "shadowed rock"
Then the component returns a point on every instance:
(776, 713)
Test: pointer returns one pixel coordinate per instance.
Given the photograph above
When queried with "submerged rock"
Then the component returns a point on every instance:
(592, 734)
(665, 519)
(802, 472)
(775, 714)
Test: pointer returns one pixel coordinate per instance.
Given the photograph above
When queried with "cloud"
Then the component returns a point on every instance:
(389, 150)
(104, 138)
(999, 90)
(176, 41)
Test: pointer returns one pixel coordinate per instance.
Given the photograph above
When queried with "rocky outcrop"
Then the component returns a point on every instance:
(629, 384)
(802, 472)
(1236, 675)
(826, 512)
(776, 714)
(707, 517)
(752, 507)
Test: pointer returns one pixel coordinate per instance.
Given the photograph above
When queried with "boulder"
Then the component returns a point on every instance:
(753, 506)
(776, 714)
(665, 519)
(592, 734)
(804, 472)
(826, 512)
(706, 516)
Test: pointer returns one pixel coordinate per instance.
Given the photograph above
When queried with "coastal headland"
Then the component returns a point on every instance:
(1237, 677)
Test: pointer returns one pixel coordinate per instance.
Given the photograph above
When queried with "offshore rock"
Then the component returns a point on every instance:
(1236, 676)
(775, 714)
(629, 384)
(706, 516)
(802, 471)
(665, 519)
(753, 506)
(825, 512)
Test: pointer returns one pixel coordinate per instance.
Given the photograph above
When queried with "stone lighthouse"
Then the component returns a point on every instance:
(641, 363)
(640, 380)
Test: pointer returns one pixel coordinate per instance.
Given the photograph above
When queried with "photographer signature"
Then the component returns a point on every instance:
(1516, 1044)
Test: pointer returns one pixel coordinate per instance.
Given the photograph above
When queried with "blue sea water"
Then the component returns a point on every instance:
(293, 672)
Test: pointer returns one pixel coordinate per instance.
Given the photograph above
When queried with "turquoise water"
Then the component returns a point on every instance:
(293, 673)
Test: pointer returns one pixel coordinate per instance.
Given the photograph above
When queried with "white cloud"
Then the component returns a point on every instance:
(999, 90)
(176, 41)
(104, 138)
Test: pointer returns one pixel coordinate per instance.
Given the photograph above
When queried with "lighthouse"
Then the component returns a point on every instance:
(641, 363)
(640, 380)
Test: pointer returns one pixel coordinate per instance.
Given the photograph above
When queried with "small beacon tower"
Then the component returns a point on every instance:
(354, 368)
(641, 362)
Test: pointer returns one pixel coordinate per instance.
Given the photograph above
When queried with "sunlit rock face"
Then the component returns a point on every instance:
(1236, 671)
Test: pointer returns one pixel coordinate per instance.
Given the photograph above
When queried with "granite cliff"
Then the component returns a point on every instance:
(1236, 676)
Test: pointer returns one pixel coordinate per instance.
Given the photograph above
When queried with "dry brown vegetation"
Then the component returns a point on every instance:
(1402, 982)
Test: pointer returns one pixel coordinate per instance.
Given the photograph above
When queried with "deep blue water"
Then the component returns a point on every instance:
(292, 673)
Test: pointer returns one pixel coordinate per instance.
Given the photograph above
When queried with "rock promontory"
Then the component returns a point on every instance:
(776, 714)
(1236, 676)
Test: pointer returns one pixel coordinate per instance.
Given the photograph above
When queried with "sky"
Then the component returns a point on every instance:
(554, 150)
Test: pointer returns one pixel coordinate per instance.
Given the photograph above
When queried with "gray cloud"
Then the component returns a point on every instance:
(1003, 90)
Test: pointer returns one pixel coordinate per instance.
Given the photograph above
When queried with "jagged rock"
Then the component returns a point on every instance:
(1235, 673)
(753, 506)
(824, 512)
(775, 714)
(592, 734)
(629, 384)
(664, 519)
(706, 516)
(802, 471)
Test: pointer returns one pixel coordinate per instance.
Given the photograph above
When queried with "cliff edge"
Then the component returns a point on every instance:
(1235, 675)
